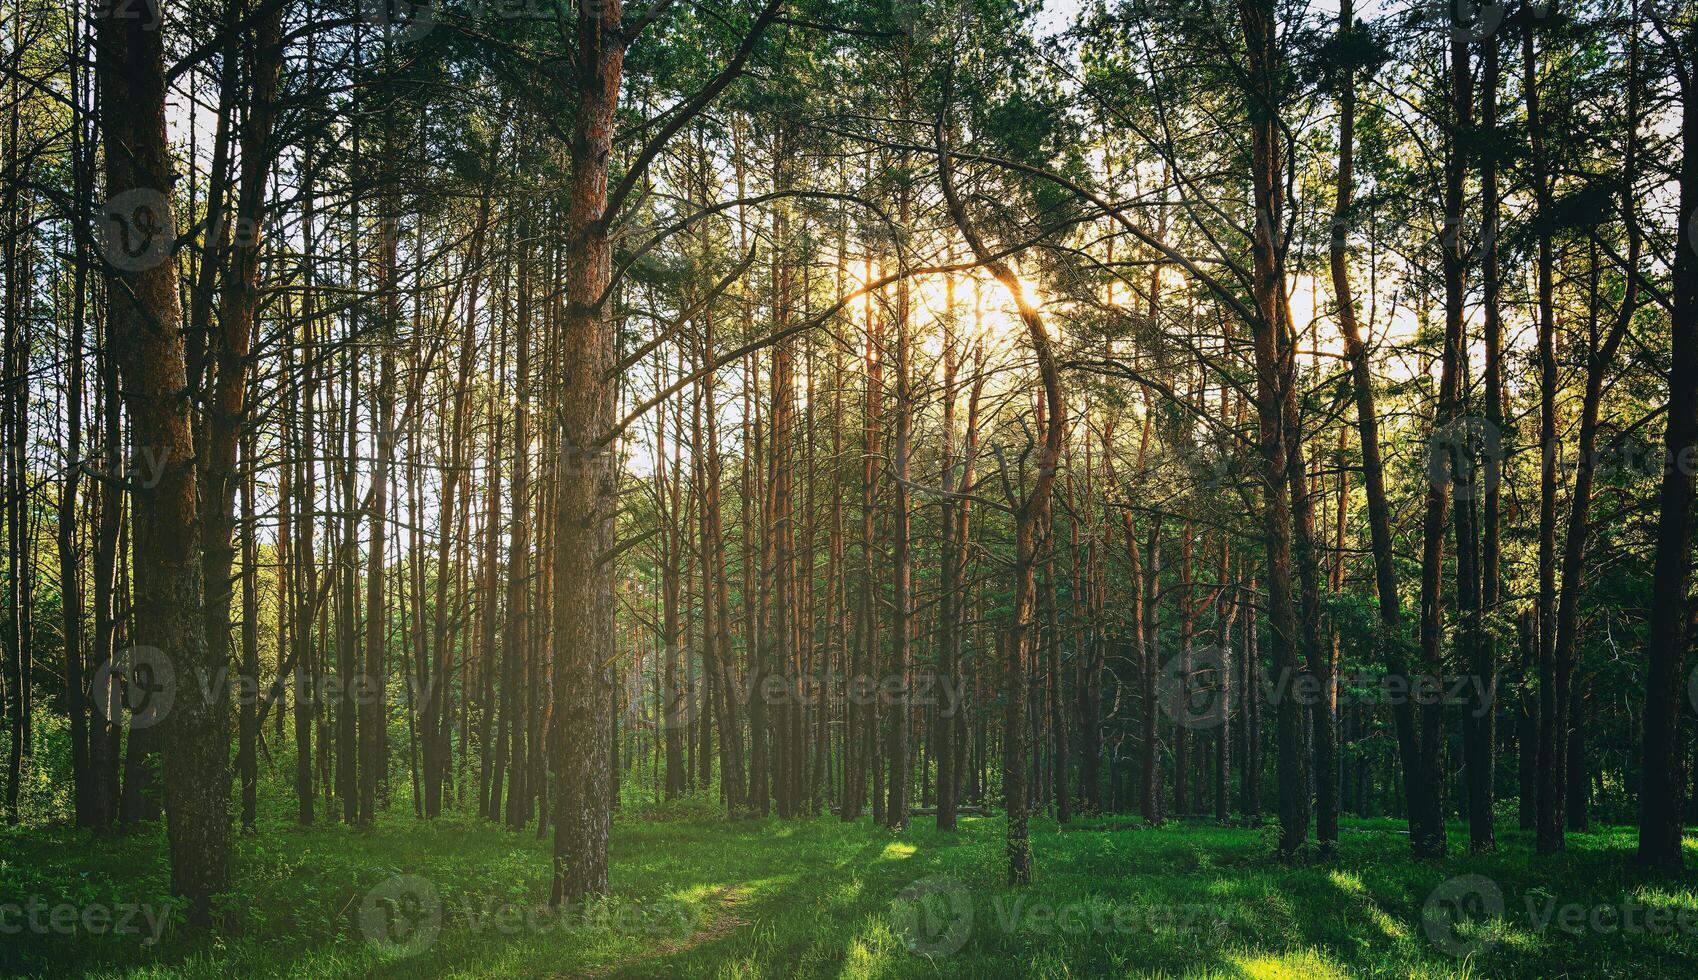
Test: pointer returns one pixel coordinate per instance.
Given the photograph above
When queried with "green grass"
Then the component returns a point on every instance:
(697, 896)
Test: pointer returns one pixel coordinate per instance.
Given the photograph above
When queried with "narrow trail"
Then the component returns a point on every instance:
(720, 921)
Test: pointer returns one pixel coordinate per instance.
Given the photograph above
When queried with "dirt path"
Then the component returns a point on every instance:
(719, 921)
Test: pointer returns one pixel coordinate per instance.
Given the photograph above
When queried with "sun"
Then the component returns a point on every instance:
(981, 307)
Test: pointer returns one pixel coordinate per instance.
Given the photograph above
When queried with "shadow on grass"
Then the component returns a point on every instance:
(764, 898)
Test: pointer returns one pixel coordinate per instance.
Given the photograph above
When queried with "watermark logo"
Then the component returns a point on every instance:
(676, 710)
(238, 232)
(1467, 914)
(1454, 911)
(143, 470)
(136, 230)
(1196, 692)
(141, 683)
(402, 916)
(128, 919)
(1663, 12)
(1455, 452)
(403, 20)
(147, 10)
(1183, 700)
(405, 914)
(933, 916)
(144, 682)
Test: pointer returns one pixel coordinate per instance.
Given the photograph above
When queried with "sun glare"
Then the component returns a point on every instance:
(980, 306)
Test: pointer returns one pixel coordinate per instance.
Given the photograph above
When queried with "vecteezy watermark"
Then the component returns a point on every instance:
(405, 914)
(410, 20)
(144, 470)
(1461, 448)
(1196, 691)
(136, 229)
(579, 459)
(1468, 914)
(1466, 20)
(1189, 703)
(318, 689)
(676, 709)
(147, 10)
(1455, 907)
(1370, 689)
(937, 916)
(933, 916)
(80, 919)
(402, 916)
(401, 20)
(1663, 12)
(237, 232)
(140, 683)
(910, 17)
(1468, 453)
(922, 689)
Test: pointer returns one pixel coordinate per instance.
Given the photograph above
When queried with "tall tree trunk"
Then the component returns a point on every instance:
(373, 724)
(84, 778)
(1028, 516)
(1187, 625)
(901, 627)
(581, 725)
(862, 714)
(145, 322)
(1148, 635)
(105, 742)
(248, 681)
(1390, 636)
(1553, 694)
(517, 640)
(14, 429)
(1274, 377)
(1485, 645)
(717, 629)
(1660, 794)
(670, 492)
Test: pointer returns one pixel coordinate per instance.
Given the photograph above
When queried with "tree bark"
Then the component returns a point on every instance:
(581, 725)
(169, 595)
(1660, 794)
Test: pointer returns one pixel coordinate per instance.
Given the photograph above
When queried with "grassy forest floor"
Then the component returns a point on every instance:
(697, 896)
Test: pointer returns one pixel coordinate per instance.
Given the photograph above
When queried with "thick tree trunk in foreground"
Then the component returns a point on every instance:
(1660, 795)
(581, 771)
(145, 332)
(1273, 362)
